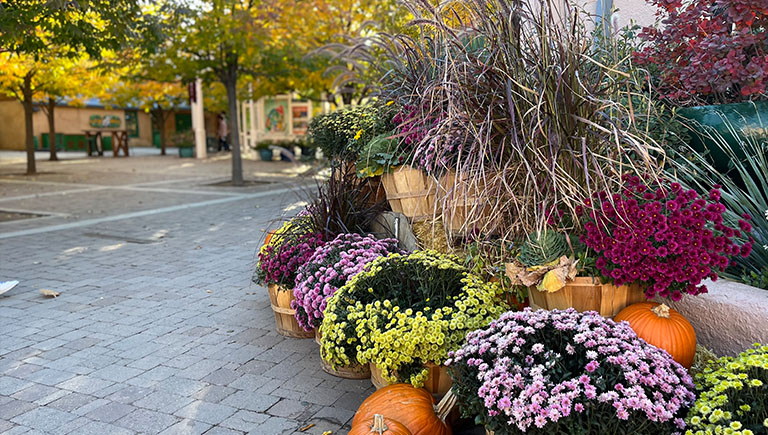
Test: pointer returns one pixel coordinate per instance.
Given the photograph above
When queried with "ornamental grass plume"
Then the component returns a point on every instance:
(404, 311)
(732, 397)
(329, 268)
(663, 236)
(522, 96)
(565, 372)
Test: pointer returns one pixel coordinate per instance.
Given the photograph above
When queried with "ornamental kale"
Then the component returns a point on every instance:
(280, 263)
(663, 236)
(329, 268)
(556, 372)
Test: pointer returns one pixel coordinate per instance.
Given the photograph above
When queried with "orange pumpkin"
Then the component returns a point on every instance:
(413, 407)
(379, 426)
(662, 327)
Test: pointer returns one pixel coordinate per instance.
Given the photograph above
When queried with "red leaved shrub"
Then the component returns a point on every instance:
(708, 51)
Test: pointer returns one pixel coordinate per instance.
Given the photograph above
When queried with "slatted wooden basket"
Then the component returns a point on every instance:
(410, 192)
(466, 203)
(588, 294)
(285, 316)
(438, 381)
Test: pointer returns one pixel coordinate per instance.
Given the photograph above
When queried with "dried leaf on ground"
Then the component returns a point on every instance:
(49, 293)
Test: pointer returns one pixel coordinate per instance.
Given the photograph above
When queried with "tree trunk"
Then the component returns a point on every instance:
(52, 128)
(161, 115)
(26, 92)
(230, 82)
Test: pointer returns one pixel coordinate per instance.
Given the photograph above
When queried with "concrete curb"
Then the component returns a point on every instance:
(728, 319)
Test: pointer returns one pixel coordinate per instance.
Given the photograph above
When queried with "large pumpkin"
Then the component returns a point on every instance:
(379, 425)
(662, 327)
(413, 407)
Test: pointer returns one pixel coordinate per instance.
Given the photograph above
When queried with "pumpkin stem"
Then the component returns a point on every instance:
(378, 424)
(661, 311)
(446, 404)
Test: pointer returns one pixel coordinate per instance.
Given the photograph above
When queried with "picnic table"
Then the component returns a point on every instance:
(119, 141)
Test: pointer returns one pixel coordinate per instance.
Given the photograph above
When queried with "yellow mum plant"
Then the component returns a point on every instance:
(732, 396)
(404, 311)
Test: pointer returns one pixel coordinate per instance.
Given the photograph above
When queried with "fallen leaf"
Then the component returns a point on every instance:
(198, 247)
(209, 291)
(49, 293)
(549, 277)
(306, 428)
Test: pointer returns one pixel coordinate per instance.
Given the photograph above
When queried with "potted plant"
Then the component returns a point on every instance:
(661, 236)
(265, 152)
(410, 190)
(329, 268)
(184, 141)
(279, 259)
(308, 149)
(560, 274)
(404, 313)
(710, 57)
(340, 134)
(380, 156)
(649, 240)
(732, 395)
(551, 372)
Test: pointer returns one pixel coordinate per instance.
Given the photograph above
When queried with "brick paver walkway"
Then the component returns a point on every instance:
(158, 328)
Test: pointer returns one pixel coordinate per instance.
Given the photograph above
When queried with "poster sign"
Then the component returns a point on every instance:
(300, 115)
(105, 121)
(275, 114)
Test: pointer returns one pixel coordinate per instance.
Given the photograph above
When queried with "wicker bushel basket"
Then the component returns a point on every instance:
(467, 204)
(410, 192)
(285, 316)
(355, 371)
(438, 381)
(588, 294)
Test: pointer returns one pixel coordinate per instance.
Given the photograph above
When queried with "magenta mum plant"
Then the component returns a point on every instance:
(279, 264)
(329, 268)
(555, 372)
(665, 237)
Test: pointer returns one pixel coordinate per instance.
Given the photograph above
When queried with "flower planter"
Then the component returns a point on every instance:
(354, 371)
(466, 204)
(410, 192)
(285, 316)
(266, 155)
(587, 294)
(743, 118)
(438, 381)
(186, 152)
(374, 188)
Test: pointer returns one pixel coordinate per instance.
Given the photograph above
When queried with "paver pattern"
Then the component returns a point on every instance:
(158, 328)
